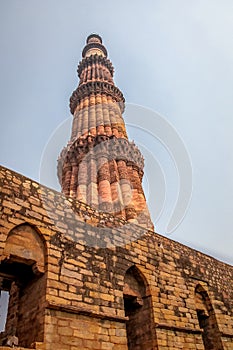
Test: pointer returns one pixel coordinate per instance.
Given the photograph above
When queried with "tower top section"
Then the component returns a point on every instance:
(94, 46)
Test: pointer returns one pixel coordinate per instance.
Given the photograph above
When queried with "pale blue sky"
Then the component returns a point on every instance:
(174, 57)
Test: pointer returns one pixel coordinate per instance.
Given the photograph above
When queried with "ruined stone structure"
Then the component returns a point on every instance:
(84, 269)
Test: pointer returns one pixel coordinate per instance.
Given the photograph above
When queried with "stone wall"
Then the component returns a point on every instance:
(87, 256)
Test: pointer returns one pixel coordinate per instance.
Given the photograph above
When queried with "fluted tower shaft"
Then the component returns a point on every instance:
(100, 166)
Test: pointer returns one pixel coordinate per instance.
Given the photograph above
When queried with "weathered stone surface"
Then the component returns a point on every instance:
(87, 284)
(84, 278)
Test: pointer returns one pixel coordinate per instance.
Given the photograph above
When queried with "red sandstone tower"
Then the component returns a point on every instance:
(100, 166)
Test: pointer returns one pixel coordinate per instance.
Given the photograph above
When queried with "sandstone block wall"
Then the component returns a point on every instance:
(102, 282)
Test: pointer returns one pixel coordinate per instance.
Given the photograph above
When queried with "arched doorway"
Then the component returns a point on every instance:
(207, 320)
(22, 276)
(138, 309)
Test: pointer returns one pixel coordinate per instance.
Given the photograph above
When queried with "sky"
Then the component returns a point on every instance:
(172, 58)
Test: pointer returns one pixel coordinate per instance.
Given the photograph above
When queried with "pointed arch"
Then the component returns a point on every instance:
(24, 244)
(138, 309)
(22, 274)
(207, 319)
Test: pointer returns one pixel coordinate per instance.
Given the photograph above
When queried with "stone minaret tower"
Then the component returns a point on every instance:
(100, 166)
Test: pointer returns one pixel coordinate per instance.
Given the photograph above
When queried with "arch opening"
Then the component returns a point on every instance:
(138, 309)
(207, 320)
(22, 269)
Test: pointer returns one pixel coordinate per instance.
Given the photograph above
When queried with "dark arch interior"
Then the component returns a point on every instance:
(137, 303)
(207, 320)
(22, 277)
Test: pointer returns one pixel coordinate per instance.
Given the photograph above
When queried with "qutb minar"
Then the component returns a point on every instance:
(100, 166)
(84, 269)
